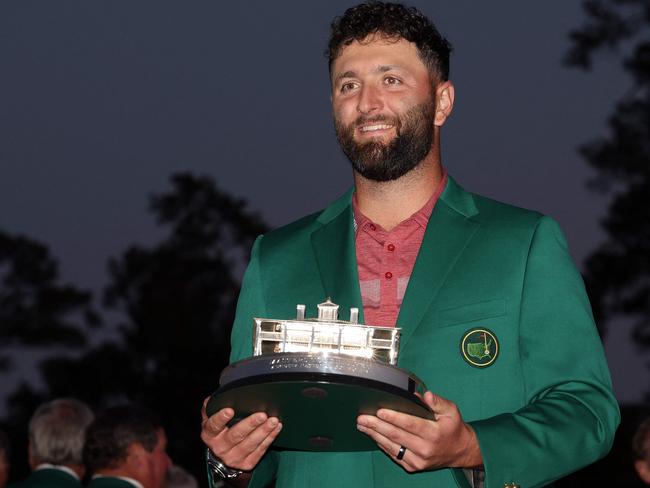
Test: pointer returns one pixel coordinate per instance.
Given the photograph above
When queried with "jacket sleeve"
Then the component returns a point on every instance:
(249, 305)
(570, 413)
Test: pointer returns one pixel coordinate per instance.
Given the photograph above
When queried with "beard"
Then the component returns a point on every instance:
(377, 161)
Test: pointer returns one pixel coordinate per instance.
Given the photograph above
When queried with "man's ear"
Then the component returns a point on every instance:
(444, 102)
(135, 457)
(643, 470)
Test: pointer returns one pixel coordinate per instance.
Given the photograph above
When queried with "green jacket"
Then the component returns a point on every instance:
(542, 409)
(48, 478)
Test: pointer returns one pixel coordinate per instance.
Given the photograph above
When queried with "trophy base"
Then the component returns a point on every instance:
(318, 409)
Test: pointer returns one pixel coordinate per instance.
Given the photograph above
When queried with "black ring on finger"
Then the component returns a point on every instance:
(400, 453)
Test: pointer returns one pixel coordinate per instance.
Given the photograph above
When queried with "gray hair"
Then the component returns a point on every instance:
(57, 431)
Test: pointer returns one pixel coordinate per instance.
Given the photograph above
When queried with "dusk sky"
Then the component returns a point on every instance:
(101, 101)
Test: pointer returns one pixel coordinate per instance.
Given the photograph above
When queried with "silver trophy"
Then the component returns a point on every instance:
(317, 376)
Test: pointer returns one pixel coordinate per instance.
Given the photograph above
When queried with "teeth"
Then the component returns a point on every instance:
(368, 128)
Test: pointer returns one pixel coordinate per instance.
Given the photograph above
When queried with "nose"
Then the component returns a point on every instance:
(369, 100)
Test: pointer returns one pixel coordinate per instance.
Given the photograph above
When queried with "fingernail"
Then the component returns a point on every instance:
(361, 428)
(273, 422)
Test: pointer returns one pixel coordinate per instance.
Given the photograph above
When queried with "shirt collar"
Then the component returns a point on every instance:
(422, 216)
(60, 467)
(135, 483)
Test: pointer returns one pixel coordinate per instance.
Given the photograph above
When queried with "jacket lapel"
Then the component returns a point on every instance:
(448, 232)
(336, 257)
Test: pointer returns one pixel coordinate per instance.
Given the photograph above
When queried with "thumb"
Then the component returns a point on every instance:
(437, 404)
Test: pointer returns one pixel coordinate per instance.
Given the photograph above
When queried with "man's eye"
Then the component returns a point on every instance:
(345, 87)
(389, 80)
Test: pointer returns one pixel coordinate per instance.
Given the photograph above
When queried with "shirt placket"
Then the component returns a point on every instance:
(388, 279)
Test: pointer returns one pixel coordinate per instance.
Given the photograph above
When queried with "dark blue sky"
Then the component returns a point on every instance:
(100, 101)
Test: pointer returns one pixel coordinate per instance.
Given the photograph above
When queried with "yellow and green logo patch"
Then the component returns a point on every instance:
(479, 347)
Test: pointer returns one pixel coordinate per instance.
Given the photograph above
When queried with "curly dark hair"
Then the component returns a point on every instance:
(108, 438)
(392, 20)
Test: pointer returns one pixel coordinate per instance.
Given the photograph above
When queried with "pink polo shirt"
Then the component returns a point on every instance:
(385, 259)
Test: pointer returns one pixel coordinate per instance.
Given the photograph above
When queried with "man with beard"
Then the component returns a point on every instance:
(454, 270)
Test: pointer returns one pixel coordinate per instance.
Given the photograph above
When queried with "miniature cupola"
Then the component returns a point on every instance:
(328, 311)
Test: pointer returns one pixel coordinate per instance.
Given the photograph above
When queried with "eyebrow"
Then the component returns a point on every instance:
(379, 69)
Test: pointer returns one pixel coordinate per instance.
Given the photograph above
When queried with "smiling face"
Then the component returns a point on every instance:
(386, 109)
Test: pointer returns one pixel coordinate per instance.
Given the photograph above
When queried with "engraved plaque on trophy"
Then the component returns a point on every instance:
(317, 376)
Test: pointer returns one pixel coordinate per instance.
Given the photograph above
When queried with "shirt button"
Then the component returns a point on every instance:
(372, 227)
(390, 247)
(388, 275)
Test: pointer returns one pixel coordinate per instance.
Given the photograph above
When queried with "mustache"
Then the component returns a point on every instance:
(362, 120)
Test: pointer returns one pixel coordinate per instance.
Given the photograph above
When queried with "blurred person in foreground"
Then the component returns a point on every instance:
(4, 459)
(56, 438)
(493, 311)
(126, 448)
(641, 449)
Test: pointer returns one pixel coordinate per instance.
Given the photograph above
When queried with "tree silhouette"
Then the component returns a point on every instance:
(177, 302)
(618, 272)
(35, 309)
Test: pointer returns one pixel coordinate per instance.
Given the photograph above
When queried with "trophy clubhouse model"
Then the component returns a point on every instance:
(317, 376)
